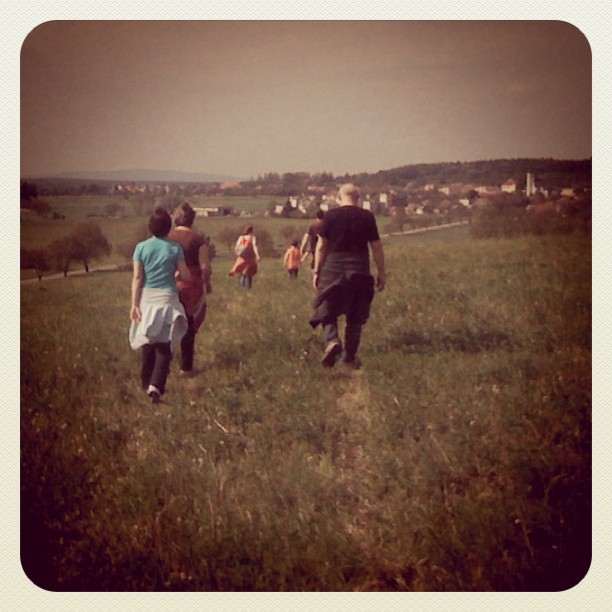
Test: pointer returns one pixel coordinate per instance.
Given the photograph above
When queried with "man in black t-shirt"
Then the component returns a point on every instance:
(342, 274)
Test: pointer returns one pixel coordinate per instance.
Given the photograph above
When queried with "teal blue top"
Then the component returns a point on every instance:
(159, 257)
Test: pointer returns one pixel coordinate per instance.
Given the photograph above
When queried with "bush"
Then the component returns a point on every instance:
(38, 206)
(27, 191)
(265, 243)
(507, 223)
(289, 232)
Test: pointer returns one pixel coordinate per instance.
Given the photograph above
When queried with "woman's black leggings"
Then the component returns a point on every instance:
(187, 344)
(155, 365)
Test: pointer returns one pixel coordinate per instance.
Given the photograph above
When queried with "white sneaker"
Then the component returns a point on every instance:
(154, 393)
(332, 350)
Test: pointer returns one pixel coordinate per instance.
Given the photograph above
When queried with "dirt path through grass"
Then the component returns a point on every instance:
(355, 468)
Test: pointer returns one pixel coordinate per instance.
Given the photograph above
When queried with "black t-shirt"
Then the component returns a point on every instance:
(349, 229)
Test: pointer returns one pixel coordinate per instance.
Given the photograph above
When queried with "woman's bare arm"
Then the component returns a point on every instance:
(137, 280)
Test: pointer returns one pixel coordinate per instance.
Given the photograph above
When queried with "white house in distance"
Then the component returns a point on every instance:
(452, 189)
(509, 186)
(207, 211)
(487, 190)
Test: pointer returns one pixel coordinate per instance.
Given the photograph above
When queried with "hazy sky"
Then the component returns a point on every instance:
(247, 97)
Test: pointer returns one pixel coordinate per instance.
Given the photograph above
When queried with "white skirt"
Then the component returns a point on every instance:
(163, 319)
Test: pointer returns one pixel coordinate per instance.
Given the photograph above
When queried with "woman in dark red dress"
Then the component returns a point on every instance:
(193, 293)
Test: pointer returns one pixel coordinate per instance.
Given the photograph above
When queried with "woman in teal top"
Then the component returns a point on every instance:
(158, 317)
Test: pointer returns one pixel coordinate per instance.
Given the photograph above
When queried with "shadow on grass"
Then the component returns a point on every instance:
(460, 340)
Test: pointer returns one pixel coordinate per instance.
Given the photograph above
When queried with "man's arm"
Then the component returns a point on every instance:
(319, 259)
(379, 259)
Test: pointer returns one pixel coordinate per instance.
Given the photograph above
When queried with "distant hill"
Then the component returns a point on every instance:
(549, 173)
(144, 175)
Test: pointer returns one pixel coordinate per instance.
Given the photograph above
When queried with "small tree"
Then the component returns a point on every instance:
(400, 217)
(228, 237)
(28, 191)
(94, 243)
(62, 251)
(34, 259)
(287, 209)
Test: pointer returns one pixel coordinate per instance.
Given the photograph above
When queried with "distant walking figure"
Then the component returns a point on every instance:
(291, 259)
(309, 241)
(158, 317)
(342, 275)
(192, 293)
(247, 258)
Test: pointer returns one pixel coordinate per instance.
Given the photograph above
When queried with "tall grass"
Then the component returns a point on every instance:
(457, 458)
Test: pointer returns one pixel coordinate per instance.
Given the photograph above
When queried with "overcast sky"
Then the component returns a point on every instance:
(246, 97)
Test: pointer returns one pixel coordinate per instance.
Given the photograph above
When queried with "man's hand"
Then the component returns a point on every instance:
(381, 281)
(315, 280)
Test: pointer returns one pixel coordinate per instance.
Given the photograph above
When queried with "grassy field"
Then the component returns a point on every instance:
(457, 459)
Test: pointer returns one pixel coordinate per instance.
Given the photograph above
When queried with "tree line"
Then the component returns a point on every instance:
(549, 173)
(85, 243)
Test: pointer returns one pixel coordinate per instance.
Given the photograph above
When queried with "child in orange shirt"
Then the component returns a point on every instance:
(291, 260)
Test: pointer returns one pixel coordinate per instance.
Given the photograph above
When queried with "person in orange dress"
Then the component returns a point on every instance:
(247, 258)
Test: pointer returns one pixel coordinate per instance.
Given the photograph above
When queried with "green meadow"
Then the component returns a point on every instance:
(458, 458)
